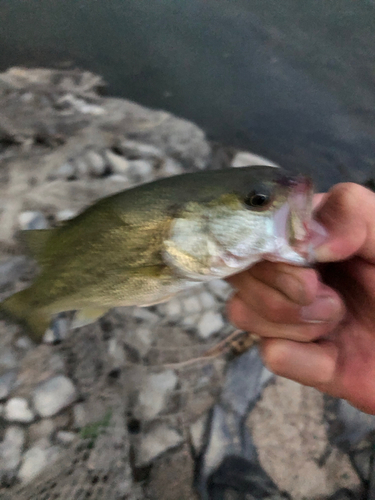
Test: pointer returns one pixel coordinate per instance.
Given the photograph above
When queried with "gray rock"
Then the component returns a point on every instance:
(36, 459)
(211, 322)
(11, 270)
(173, 308)
(8, 359)
(134, 150)
(10, 453)
(66, 171)
(53, 395)
(207, 300)
(171, 167)
(145, 315)
(24, 343)
(79, 416)
(153, 396)
(65, 214)
(116, 352)
(155, 442)
(7, 382)
(197, 431)
(118, 163)
(32, 220)
(65, 438)
(96, 162)
(141, 170)
(140, 339)
(220, 288)
(192, 305)
(18, 410)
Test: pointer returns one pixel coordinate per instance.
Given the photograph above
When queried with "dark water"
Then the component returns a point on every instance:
(288, 79)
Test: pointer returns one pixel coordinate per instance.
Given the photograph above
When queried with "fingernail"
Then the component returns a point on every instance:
(323, 309)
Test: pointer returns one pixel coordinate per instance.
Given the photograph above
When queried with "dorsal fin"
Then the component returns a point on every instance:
(35, 241)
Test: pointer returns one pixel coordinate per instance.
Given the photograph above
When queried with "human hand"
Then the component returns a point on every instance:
(318, 325)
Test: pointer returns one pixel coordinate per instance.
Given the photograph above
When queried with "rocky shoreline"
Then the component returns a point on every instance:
(105, 410)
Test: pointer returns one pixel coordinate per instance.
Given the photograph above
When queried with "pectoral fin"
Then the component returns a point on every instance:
(88, 315)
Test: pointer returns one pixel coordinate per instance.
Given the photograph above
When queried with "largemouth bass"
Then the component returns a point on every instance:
(143, 245)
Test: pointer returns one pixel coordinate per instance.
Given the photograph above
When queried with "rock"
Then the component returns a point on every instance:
(141, 170)
(53, 395)
(57, 332)
(10, 453)
(173, 308)
(247, 159)
(65, 214)
(134, 150)
(66, 171)
(145, 315)
(32, 220)
(171, 167)
(36, 459)
(155, 442)
(18, 410)
(7, 382)
(192, 305)
(116, 352)
(119, 164)
(153, 396)
(197, 431)
(140, 339)
(11, 270)
(79, 416)
(207, 300)
(190, 321)
(42, 429)
(24, 343)
(97, 164)
(8, 359)
(65, 437)
(211, 322)
(220, 288)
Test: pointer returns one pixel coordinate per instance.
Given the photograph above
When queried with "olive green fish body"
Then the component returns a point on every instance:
(143, 245)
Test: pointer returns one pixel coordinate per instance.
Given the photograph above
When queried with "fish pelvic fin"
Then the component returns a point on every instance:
(18, 307)
(87, 316)
(35, 241)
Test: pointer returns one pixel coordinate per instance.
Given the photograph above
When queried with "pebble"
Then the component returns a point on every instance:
(211, 322)
(190, 321)
(97, 164)
(10, 451)
(79, 416)
(145, 315)
(220, 288)
(36, 459)
(116, 352)
(8, 359)
(119, 164)
(173, 308)
(18, 410)
(154, 392)
(207, 300)
(65, 437)
(24, 343)
(7, 382)
(141, 170)
(11, 270)
(65, 214)
(192, 305)
(247, 159)
(197, 431)
(66, 171)
(135, 150)
(155, 442)
(32, 220)
(171, 167)
(58, 331)
(140, 339)
(53, 395)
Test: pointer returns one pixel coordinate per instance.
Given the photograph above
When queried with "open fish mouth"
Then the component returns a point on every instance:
(296, 232)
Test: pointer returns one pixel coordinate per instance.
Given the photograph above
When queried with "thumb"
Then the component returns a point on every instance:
(348, 214)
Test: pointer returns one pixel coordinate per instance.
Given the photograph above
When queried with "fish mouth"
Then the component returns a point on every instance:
(296, 232)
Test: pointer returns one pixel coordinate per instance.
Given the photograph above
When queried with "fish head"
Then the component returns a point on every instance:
(266, 215)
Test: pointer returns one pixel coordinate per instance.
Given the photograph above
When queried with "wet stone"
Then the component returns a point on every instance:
(18, 410)
(53, 395)
(65, 438)
(155, 442)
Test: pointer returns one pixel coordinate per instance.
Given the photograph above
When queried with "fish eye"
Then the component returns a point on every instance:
(257, 199)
